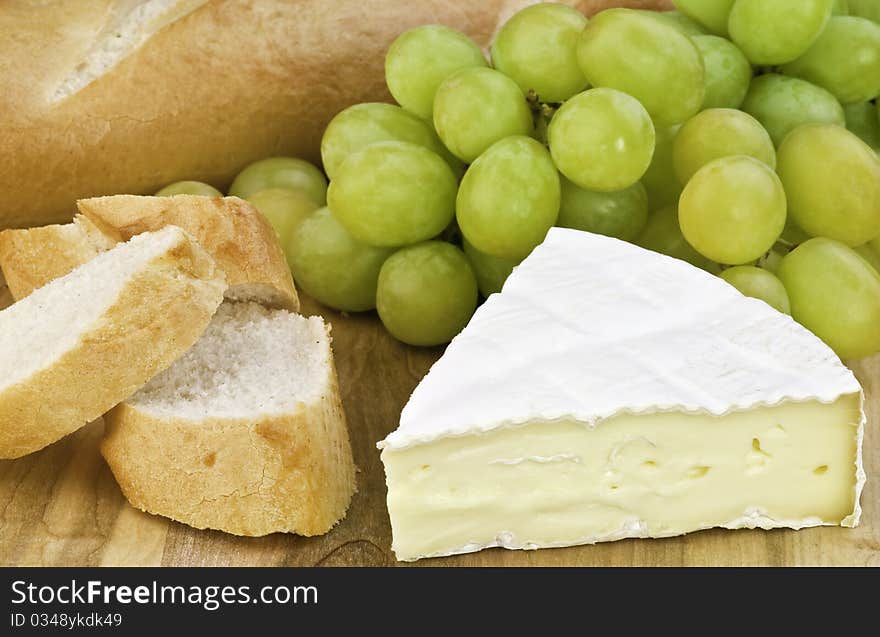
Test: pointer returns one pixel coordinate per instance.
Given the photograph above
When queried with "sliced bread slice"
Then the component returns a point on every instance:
(237, 236)
(245, 433)
(84, 342)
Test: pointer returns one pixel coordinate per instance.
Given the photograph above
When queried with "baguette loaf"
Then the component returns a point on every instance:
(235, 234)
(245, 433)
(107, 96)
(81, 344)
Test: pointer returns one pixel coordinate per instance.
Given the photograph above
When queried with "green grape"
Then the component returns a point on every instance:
(283, 208)
(360, 125)
(621, 214)
(475, 108)
(716, 133)
(651, 60)
(458, 167)
(832, 181)
(869, 9)
(509, 198)
(792, 235)
(772, 260)
(840, 7)
(536, 48)
(782, 103)
(869, 254)
(680, 21)
(427, 293)
(728, 72)
(189, 188)
(732, 210)
(712, 14)
(759, 284)
(420, 59)
(393, 194)
(281, 172)
(659, 180)
(845, 60)
(777, 31)
(835, 294)
(333, 267)
(602, 139)
(491, 272)
(875, 243)
(862, 120)
(663, 234)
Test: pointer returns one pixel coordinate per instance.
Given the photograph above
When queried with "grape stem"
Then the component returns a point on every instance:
(542, 113)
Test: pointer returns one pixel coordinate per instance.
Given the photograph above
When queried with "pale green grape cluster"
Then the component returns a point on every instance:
(740, 136)
(798, 227)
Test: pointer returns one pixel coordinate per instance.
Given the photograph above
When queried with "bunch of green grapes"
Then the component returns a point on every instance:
(738, 135)
(784, 192)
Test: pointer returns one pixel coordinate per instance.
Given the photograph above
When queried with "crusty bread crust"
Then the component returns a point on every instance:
(232, 82)
(235, 234)
(31, 258)
(160, 312)
(291, 473)
(240, 239)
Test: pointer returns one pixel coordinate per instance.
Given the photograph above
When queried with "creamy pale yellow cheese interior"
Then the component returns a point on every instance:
(563, 482)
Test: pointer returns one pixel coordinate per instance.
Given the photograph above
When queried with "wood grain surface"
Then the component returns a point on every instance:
(61, 506)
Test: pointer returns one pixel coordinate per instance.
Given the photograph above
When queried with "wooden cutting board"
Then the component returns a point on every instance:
(61, 506)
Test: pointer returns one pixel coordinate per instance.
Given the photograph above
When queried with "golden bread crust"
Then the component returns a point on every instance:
(292, 473)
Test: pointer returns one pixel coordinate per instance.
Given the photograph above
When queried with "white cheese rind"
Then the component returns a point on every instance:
(588, 327)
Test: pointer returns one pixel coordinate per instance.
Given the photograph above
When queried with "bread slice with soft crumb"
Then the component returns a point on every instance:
(235, 234)
(245, 433)
(89, 339)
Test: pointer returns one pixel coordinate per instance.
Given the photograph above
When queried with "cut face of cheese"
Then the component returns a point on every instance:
(611, 392)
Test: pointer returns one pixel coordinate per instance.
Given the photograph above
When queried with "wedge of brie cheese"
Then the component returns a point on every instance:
(611, 392)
